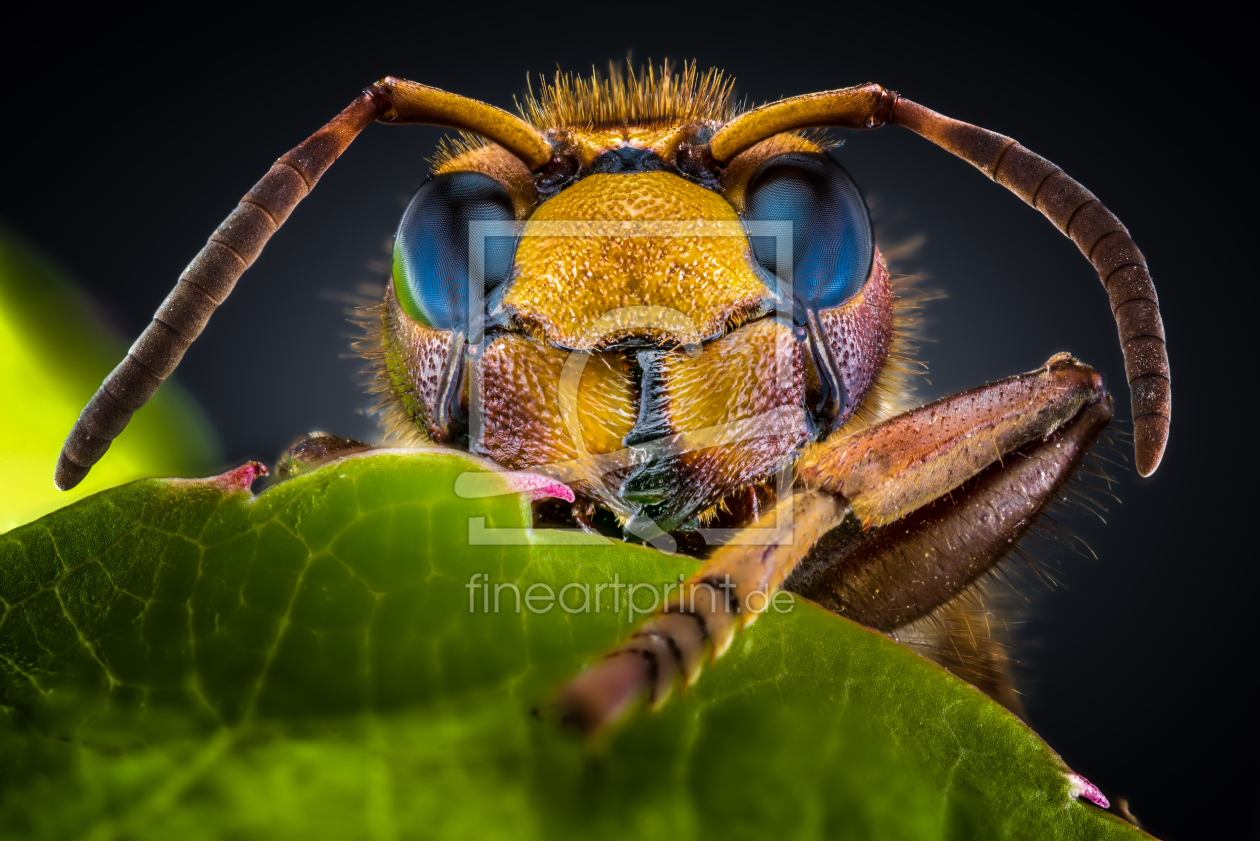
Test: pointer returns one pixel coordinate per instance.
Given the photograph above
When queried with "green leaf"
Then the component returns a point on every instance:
(181, 660)
(53, 355)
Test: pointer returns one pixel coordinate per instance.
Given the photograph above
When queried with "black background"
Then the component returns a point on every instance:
(129, 137)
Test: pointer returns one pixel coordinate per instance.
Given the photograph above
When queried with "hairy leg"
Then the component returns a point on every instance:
(888, 525)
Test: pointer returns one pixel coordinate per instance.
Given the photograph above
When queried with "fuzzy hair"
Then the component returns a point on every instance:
(648, 96)
(366, 312)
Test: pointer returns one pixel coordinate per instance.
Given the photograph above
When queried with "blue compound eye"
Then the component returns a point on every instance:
(431, 250)
(833, 244)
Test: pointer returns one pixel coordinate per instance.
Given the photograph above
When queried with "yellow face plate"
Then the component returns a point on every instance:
(574, 289)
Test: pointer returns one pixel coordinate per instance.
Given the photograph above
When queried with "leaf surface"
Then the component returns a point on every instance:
(179, 659)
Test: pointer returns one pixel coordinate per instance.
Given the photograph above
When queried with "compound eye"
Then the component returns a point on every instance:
(431, 249)
(833, 243)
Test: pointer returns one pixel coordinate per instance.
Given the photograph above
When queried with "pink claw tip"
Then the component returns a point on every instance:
(242, 477)
(538, 486)
(1081, 787)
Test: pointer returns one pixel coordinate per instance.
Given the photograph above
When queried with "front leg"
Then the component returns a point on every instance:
(886, 525)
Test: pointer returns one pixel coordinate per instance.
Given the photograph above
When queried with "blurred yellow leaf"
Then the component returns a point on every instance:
(54, 352)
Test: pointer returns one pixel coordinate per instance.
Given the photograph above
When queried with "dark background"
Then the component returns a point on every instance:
(129, 138)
